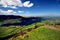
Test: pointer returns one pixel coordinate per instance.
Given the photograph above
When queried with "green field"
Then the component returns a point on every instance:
(11, 21)
(7, 31)
(43, 32)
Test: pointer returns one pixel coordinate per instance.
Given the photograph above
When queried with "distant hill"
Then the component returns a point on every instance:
(51, 18)
(24, 20)
(19, 20)
(5, 17)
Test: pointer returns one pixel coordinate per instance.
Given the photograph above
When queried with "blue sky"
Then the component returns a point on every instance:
(30, 7)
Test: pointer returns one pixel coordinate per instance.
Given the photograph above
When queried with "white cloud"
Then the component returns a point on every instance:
(15, 3)
(10, 12)
(27, 4)
(20, 11)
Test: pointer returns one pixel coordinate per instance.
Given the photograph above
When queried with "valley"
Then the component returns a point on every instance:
(30, 28)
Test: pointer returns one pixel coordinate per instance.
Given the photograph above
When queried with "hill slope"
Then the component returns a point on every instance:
(41, 33)
(8, 20)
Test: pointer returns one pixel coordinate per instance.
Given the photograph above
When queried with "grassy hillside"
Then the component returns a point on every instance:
(7, 31)
(41, 33)
(11, 30)
(36, 30)
(11, 21)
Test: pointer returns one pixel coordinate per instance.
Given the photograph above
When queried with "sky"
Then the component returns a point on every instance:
(30, 7)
